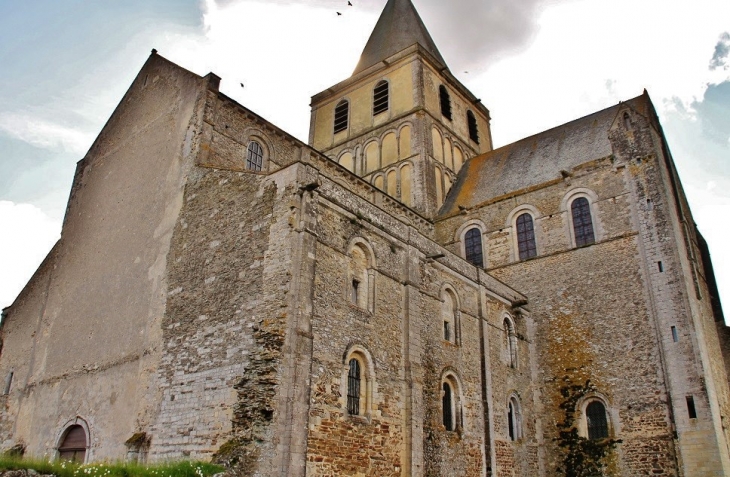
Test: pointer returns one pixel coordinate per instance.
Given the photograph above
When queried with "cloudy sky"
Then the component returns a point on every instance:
(534, 63)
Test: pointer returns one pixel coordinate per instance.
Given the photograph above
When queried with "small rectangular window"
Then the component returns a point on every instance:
(691, 407)
(661, 267)
(447, 331)
(675, 335)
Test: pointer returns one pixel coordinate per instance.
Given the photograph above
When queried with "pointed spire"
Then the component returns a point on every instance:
(399, 27)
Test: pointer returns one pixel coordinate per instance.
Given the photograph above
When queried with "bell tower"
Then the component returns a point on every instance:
(402, 121)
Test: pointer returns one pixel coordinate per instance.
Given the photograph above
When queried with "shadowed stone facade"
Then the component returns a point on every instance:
(394, 299)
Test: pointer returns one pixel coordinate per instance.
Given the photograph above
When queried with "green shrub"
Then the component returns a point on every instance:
(104, 469)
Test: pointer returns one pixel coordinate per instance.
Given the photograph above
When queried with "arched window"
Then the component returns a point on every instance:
(596, 420)
(473, 247)
(254, 157)
(514, 419)
(447, 404)
(380, 98)
(627, 121)
(510, 339)
(526, 237)
(445, 102)
(361, 276)
(342, 112)
(73, 445)
(582, 222)
(473, 130)
(450, 316)
(353, 388)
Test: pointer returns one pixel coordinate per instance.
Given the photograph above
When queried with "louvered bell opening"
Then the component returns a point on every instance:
(341, 113)
(380, 98)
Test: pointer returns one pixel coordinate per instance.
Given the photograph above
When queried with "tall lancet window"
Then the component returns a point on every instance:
(526, 237)
(353, 388)
(582, 222)
(473, 247)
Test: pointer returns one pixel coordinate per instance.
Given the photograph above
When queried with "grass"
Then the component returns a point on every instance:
(120, 469)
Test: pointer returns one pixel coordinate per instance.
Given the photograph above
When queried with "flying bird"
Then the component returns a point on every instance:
(241, 85)
(349, 4)
(338, 13)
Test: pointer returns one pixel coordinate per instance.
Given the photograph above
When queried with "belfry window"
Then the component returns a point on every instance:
(254, 157)
(526, 237)
(342, 113)
(582, 222)
(380, 98)
(473, 247)
(596, 420)
(353, 388)
(472, 123)
(445, 102)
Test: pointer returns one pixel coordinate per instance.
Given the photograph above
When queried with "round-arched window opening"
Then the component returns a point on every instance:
(73, 445)
(596, 419)
(255, 157)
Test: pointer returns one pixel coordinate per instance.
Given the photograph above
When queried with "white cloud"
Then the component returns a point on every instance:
(45, 134)
(28, 235)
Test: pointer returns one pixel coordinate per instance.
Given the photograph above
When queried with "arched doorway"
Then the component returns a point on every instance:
(73, 445)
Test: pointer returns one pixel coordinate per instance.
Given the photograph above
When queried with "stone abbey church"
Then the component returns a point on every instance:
(395, 298)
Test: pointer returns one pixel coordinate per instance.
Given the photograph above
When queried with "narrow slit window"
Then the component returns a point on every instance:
(342, 112)
(353, 388)
(691, 407)
(675, 334)
(448, 413)
(582, 222)
(473, 129)
(380, 98)
(597, 421)
(254, 157)
(8, 383)
(447, 331)
(660, 266)
(445, 102)
(355, 292)
(511, 421)
(526, 237)
(473, 247)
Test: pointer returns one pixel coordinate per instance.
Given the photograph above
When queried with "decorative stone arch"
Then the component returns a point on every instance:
(378, 180)
(582, 420)
(405, 178)
(70, 425)
(452, 400)
(514, 417)
(353, 155)
(405, 140)
(437, 141)
(361, 274)
(511, 224)
(566, 207)
(459, 157)
(451, 315)
(367, 390)
(511, 354)
(371, 164)
(460, 236)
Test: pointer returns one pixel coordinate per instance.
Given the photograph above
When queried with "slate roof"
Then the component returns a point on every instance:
(399, 27)
(536, 159)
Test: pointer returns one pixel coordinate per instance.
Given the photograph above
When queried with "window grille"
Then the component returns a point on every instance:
(473, 247)
(582, 222)
(342, 111)
(597, 421)
(445, 102)
(255, 157)
(447, 410)
(353, 388)
(526, 237)
(473, 130)
(380, 98)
